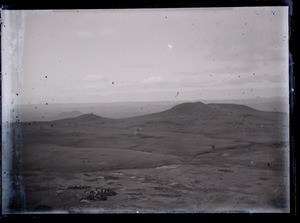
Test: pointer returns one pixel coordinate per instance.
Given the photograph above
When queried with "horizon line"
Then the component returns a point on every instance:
(115, 102)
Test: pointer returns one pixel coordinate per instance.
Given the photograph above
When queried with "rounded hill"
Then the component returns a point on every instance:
(190, 108)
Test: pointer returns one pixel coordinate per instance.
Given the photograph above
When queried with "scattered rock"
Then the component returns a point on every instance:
(119, 173)
(100, 194)
(174, 184)
(225, 170)
(59, 192)
(78, 187)
(107, 192)
(83, 200)
(96, 195)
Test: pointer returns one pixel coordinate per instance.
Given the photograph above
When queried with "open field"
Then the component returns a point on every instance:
(192, 157)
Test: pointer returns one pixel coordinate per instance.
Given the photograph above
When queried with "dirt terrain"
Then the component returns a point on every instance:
(192, 158)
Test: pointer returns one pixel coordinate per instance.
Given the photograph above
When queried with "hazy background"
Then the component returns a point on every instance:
(154, 55)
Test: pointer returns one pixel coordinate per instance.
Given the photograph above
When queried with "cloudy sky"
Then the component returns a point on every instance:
(154, 55)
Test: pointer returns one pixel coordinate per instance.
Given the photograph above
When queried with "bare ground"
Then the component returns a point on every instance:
(235, 164)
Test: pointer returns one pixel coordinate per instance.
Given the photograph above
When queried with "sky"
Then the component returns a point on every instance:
(75, 56)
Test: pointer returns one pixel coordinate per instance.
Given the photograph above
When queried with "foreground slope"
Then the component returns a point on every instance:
(192, 157)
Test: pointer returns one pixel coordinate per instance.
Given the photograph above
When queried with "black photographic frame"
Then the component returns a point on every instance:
(294, 120)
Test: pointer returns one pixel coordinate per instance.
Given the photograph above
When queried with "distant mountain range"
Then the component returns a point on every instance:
(189, 113)
(117, 110)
